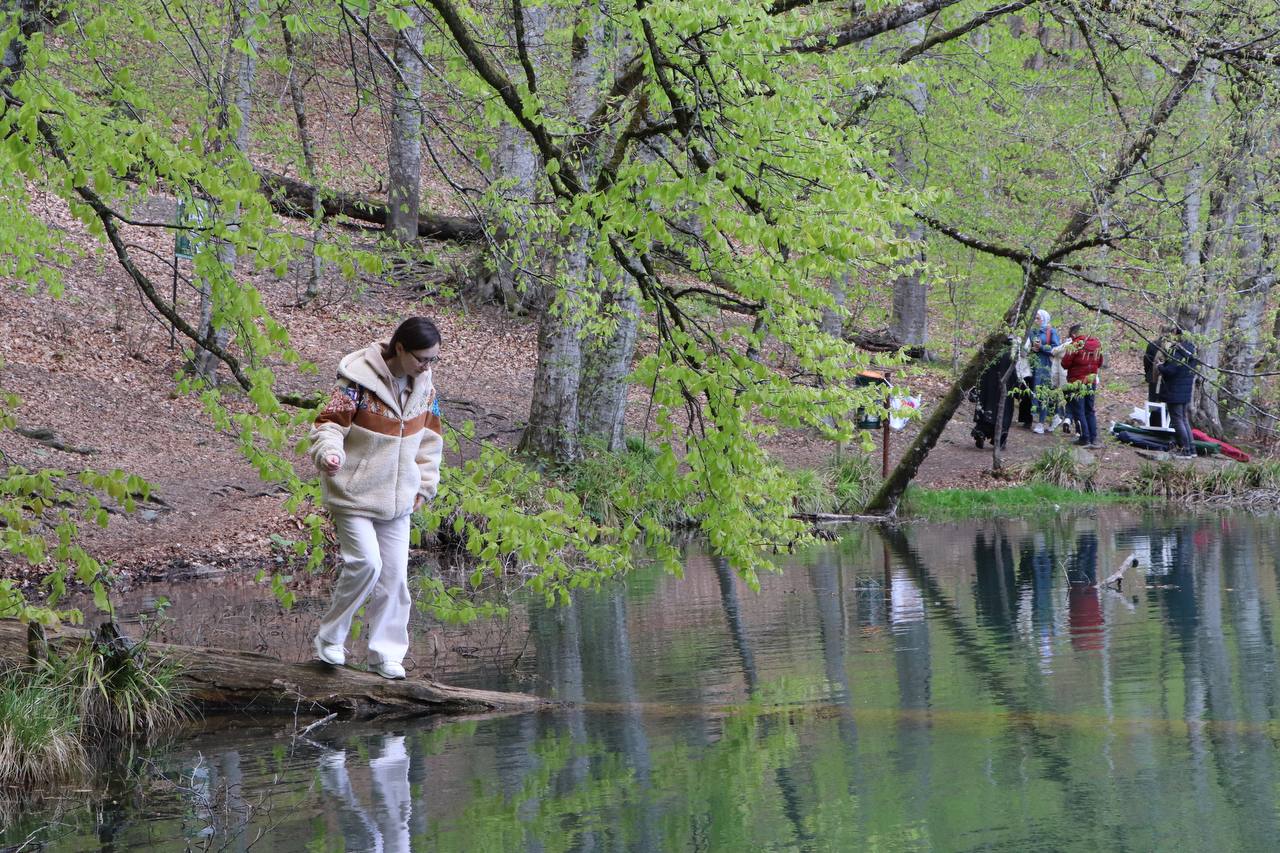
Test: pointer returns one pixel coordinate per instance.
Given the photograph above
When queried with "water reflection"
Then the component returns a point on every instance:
(388, 827)
(956, 687)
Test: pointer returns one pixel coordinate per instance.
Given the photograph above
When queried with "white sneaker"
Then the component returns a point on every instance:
(331, 653)
(1038, 429)
(1057, 422)
(389, 669)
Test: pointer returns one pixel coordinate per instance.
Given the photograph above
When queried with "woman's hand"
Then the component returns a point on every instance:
(330, 464)
(418, 503)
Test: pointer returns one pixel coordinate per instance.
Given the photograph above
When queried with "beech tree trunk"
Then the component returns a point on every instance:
(910, 323)
(602, 395)
(832, 322)
(27, 15)
(507, 273)
(504, 274)
(308, 170)
(404, 159)
(553, 429)
(235, 90)
(1244, 347)
(1204, 311)
(228, 680)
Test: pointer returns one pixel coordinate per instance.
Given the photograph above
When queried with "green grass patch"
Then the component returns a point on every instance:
(838, 487)
(40, 738)
(122, 690)
(1064, 468)
(1252, 484)
(1026, 499)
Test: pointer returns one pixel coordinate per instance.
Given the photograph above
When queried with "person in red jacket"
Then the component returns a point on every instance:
(1082, 364)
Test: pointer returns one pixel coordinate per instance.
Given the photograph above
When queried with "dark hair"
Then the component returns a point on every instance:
(413, 334)
(1075, 329)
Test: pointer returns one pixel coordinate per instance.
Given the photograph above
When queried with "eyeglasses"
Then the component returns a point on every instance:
(425, 361)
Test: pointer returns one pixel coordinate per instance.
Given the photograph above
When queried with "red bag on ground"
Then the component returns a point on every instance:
(1223, 448)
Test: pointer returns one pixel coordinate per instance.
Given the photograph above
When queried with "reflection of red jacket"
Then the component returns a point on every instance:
(1084, 616)
(1082, 364)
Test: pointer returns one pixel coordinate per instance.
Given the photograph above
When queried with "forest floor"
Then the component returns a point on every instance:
(95, 368)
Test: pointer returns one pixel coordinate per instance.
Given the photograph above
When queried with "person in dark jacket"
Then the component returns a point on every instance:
(998, 376)
(1177, 379)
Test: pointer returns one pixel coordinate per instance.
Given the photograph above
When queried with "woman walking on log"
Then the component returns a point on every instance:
(377, 445)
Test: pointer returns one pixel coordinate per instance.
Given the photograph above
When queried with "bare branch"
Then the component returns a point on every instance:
(869, 26)
(965, 28)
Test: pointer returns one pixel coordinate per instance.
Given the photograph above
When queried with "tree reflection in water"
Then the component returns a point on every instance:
(963, 686)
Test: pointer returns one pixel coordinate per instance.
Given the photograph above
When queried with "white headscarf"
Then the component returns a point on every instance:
(1042, 318)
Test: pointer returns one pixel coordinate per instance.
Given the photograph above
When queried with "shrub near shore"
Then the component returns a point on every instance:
(55, 711)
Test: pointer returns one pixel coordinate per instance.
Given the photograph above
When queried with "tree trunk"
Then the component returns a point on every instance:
(504, 272)
(552, 432)
(1244, 339)
(229, 680)
(235, 89)
(890, 494)
(910, 323)
(27, 13)
(602, 395)
(404, 159)
(1244, 354)
(553, 427)
(832, 322)
(308, 171)
(1203, 314)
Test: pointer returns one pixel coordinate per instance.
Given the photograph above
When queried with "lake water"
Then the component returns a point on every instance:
(942, 687)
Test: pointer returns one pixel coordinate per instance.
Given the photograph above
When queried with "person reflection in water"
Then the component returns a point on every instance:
(1035, 564)
(1084, 609)
(388, 830)
(995, 586)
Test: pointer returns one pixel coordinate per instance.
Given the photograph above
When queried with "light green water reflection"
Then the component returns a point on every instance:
(944, 687)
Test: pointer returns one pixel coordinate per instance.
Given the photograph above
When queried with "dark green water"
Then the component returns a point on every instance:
(941, 688)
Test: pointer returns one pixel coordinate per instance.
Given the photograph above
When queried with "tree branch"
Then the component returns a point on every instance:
(868, 26)
(967, 27)
(564, 183)
(522, 48)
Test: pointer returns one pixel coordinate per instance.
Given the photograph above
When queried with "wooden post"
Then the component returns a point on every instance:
(884, 432)
(37, 645)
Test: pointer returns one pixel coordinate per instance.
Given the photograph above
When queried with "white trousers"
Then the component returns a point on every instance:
(375, 564)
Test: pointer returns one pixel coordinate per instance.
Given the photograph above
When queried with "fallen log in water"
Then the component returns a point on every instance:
(228, 680)
(839, 518)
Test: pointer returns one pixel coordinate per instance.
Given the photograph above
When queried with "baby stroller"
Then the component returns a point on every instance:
(984, 427)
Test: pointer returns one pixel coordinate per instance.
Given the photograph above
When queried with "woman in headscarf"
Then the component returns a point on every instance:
(1041, 340)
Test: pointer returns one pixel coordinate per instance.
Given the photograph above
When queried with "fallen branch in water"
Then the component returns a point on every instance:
(1117, 577)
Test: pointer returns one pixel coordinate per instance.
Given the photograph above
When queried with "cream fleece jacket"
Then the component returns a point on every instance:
(389, 454)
